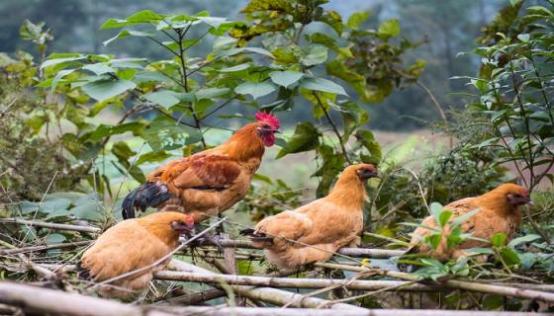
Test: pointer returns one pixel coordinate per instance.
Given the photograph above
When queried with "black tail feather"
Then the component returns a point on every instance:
(256, 236)
(148, 194)
(82, 273)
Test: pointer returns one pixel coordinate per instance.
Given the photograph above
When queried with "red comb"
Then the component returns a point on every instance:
(189, 220)
(269, 119)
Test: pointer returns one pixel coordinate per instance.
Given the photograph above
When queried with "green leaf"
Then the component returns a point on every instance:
(389, 28)
(463, 218)
(141, 17)
(104, 89)
(165, 98)
(255, 89)
(122, 150)
(356, 19)
(324, 85)
(55, 238)
(367, 139)
(509, 256)
(153, 156)
(316, 54)
(444, 217)
(436, 210)
(523, 239)
(499, 240)
(211, 93)
(306, 137)
(524, 37)
(236, 68)
(286, 78)
(127, 33)
(99, 68)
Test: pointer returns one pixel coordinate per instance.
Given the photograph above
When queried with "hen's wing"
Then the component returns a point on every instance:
(289, 225)
(123, 248)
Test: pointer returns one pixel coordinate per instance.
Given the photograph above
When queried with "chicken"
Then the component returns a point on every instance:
(130, 245)
(498, 212)
(316, 230)
(209, 182)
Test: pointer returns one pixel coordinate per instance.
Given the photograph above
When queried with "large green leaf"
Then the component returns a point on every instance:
(141, 17)
(286, 78)
(324, 85)
(165, 98)
(255, 89)
(306, 137)
(104, 89)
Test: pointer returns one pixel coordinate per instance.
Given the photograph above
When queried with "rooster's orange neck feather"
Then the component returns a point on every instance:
(349, 191)
(245, 144)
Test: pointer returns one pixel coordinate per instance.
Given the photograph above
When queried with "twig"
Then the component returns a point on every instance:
(334, 126)
(79, 228)
(438, 107)
(45, 247)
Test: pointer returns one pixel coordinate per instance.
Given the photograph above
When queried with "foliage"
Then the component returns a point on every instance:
(267, 74)
(23, 113)
(515, 88)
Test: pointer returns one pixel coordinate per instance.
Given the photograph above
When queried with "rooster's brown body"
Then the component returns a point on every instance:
(209, 182)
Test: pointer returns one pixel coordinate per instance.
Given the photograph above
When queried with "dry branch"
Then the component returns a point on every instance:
(352, 252)
(245, 311)
(290, 282)
(266, 294)
(78, 228)
(455, 284)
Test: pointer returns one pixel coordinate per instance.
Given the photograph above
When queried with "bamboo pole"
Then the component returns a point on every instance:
(79, 228)
(454, 284)
(266, 294)
(290, 282)
(43, 301)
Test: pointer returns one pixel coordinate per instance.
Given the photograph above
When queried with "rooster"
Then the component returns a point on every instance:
(133, 245)
(497, 211)
(315, 231)
(209, 182)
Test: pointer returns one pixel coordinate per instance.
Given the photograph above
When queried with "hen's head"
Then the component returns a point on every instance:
(266, 127)
(513, 194)
(362, 171)
(168, 224)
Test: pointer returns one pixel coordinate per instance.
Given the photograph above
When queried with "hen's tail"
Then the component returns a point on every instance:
(148, 194)
(255, 235)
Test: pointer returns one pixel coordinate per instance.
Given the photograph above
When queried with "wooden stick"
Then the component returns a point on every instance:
(43, 248)
(455, 284)
(266, 294)
(229, 257)
(79, 228)
(289, 282)
(42, 301)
